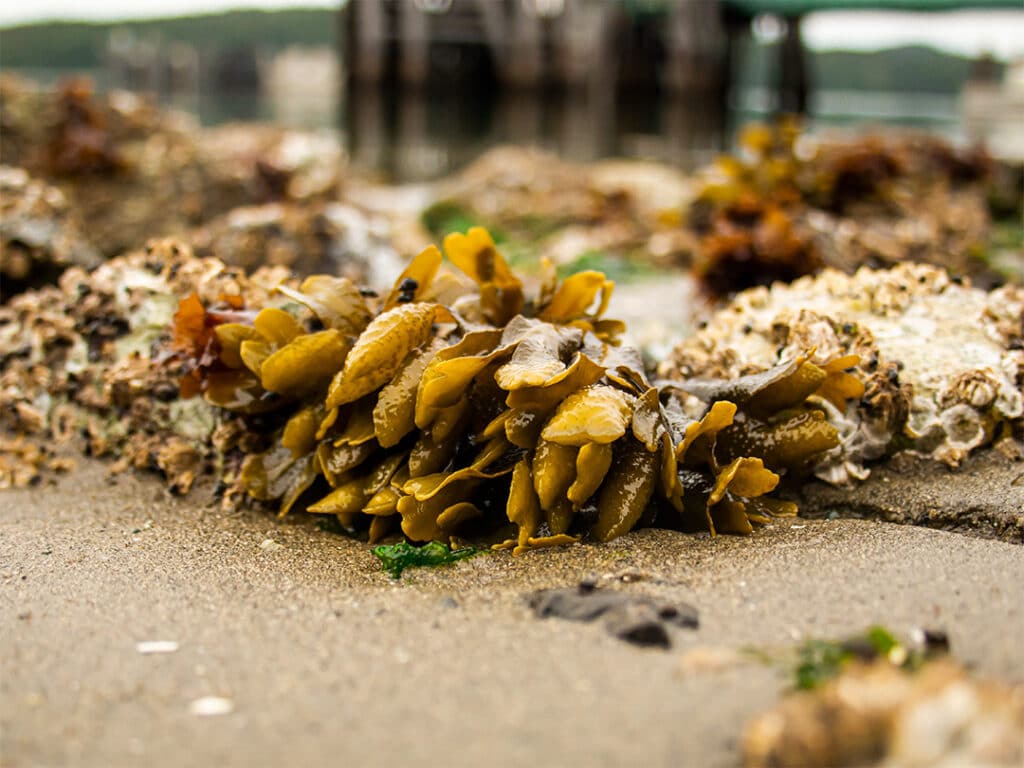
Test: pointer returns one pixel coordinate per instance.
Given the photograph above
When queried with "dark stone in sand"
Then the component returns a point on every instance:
(984, 497)
(637, 624)
(639, 619)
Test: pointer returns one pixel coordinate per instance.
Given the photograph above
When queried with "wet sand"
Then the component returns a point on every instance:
(326, 660)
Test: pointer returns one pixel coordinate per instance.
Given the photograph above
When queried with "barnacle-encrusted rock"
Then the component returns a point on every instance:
(941, 361)
(458, 407)
(563, 210)
(85, 362)
(128, 171)
(38, 239)
(307, 237)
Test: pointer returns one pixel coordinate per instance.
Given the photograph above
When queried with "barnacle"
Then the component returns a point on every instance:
(491, 414)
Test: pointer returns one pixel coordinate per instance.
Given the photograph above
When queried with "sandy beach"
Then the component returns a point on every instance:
(325, 660)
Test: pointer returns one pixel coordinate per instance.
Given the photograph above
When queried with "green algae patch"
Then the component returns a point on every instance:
(395, 558)
(821, 660)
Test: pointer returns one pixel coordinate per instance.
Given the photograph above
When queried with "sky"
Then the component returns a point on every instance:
(968, 33)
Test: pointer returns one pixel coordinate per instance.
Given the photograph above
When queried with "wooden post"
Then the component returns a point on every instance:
(793, 81)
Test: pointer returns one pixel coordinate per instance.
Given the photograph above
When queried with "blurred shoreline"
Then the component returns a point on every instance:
(421, 139)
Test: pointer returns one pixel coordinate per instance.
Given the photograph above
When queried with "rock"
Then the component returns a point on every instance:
(985, 497)
(941, 361)
(638, 624)
(639, 619)
(875, 714)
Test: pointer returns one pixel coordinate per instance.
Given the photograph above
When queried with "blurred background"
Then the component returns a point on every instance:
(416, 89)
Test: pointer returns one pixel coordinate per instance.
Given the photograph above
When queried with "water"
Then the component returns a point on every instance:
(419, 137)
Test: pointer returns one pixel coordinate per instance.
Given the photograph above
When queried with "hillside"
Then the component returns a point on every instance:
(74, 45)
(910, 69)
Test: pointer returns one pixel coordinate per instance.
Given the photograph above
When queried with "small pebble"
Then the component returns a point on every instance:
(269, 545)
(147, 647)
(211, 705)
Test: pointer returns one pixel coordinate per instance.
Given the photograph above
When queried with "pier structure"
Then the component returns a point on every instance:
(601, 72)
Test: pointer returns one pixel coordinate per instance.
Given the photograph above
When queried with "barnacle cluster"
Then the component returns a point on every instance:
(38, 239)
(456, 407)
(83, 367)
(940, 360)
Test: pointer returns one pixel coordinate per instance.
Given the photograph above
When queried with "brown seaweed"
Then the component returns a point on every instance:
(492, 412)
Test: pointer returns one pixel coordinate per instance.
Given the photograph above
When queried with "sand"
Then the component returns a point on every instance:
(324, 660)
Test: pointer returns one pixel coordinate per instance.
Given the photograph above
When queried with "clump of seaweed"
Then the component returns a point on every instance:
(787, 206)
(744, 215)
(457, 407)
(774, 421)
(81, 142)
